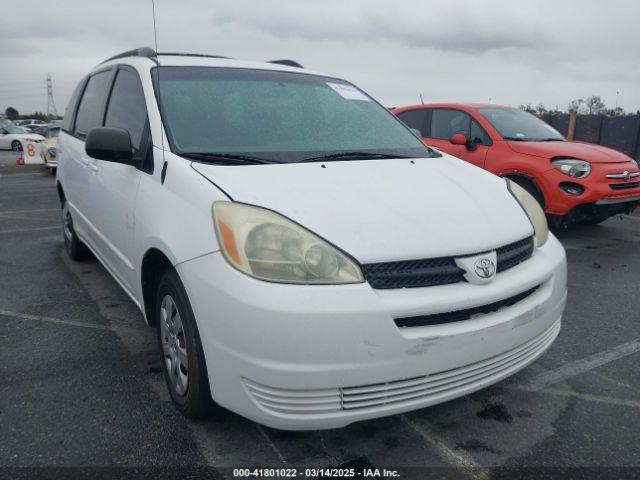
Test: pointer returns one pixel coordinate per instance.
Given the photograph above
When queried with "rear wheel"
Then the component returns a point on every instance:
(16, 146)
(75, 248)
(183, 362)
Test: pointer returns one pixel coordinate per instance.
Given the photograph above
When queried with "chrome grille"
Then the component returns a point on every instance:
(438, 271)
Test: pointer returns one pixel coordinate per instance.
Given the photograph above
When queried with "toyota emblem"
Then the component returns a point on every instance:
(484, 268)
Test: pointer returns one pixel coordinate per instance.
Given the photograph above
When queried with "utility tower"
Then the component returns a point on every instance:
(51, 105)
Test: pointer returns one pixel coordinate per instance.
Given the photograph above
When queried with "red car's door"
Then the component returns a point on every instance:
(447, 122)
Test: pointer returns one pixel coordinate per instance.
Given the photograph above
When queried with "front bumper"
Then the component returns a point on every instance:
(602, 196)
(313, 357)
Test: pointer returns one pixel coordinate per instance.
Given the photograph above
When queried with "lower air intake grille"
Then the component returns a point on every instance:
(403, 393)
(460, 315)
(623, 186)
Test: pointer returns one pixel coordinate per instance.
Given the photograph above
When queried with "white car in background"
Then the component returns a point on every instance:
(11, 136)
(306, 260)
(29, 122)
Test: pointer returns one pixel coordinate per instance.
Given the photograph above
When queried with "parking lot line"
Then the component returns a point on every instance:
(623, 402)
(459, 460)
(273, 446)
(583, 365)
(33, 229)
(11, 212)
(59, 321)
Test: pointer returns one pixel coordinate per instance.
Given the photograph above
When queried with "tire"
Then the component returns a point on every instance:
(530, 187)
(16, 146)
(557, 223)
(75, 248)
(179, 342)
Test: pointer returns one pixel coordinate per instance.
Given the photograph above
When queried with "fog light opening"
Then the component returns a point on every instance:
(571, 188)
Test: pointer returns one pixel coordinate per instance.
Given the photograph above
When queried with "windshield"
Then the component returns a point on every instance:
(14, 129)
(276, 116)
(516, 124)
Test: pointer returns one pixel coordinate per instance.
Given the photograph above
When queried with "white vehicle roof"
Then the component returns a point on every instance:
(146, 57)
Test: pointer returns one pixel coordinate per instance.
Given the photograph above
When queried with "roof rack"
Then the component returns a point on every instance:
(137, 52)
(288, 63)
(191, 55)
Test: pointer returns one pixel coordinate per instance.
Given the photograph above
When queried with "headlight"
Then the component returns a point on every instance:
(533, 210)
(268, 246)
(572, 167)
(52, 152)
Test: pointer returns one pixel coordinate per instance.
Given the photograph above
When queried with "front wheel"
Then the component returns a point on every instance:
(183, 362)
(16, 146)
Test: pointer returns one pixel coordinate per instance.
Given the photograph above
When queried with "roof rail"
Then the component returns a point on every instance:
(190, 55)
(288, 63)
(137, 52)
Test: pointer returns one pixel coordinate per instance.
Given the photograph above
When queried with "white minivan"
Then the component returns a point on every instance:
(306, 260)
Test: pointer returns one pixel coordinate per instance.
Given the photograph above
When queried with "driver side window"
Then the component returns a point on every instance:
(128, 110)
(445, 123)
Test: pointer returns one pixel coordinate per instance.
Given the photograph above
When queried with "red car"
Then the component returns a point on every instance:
(573, 181)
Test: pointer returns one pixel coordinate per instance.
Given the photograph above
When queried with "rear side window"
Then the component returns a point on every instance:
(90, 109)
(417, 119)
(127, 109)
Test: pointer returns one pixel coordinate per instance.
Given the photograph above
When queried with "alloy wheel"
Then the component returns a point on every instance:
(174, 345)
(67, 224)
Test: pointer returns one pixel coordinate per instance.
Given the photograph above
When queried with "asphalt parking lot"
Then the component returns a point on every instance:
(80, 383)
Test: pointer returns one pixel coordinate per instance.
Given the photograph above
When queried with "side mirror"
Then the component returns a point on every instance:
(110, 144)
(458, 139)
(461, 139)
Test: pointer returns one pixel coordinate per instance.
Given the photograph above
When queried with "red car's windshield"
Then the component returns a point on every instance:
(516, 124)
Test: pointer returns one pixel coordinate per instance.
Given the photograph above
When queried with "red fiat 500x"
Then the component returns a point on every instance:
(573, 181)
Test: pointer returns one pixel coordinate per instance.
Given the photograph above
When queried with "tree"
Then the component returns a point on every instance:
(11, 113)
(614, 112)
(576, 106)
(540, 109)
(595, 105)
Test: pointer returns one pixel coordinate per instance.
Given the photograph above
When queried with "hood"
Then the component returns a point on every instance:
(581, 150)
(385, 210)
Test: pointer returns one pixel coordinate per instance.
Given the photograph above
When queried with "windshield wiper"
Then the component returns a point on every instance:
(551, 140)
(227, 158)
(516, 139)
(350, 155)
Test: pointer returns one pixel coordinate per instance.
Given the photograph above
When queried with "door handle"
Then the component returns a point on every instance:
(93, 166)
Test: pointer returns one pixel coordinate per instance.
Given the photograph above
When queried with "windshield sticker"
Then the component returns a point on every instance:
(348, 92)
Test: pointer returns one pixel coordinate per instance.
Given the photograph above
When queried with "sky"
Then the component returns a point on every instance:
(508, 52)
